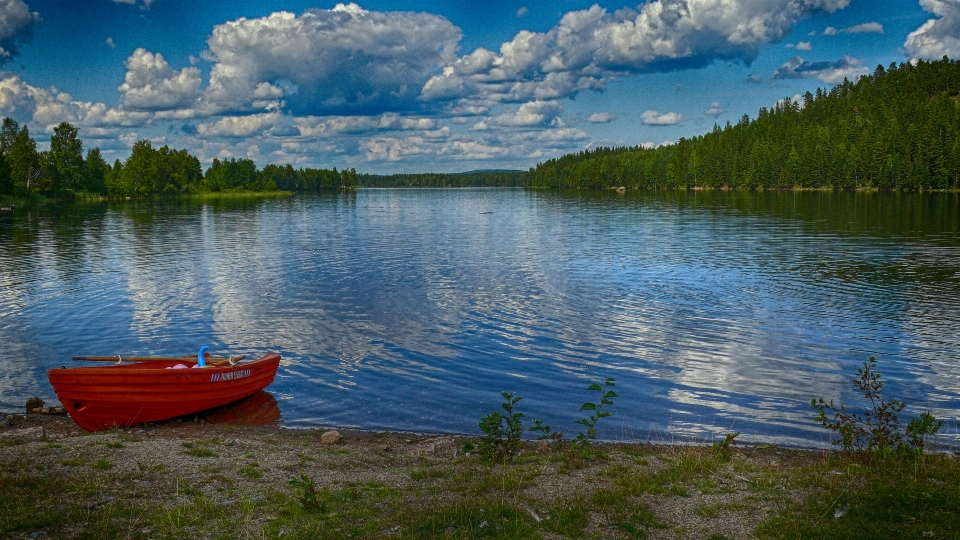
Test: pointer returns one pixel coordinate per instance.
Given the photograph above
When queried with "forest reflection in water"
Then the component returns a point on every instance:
(413, 309)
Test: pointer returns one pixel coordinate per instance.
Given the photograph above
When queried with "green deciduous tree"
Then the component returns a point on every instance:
(65, 165)
(231, 174)
(112, 180)
(95, 172)
(139, 176)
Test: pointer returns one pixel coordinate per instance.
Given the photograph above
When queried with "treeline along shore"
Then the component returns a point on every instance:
(491, 178)
(897, 129)
(64, 172)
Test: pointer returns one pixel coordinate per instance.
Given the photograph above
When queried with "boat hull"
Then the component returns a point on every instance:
(99, 398)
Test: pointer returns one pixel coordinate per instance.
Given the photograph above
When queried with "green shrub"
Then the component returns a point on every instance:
(723, 449)
(501, 439)
(310, 498)
(502, 433)
(878, 428)
(585, 439)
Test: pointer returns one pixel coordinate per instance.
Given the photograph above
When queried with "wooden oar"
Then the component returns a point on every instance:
(211, 360)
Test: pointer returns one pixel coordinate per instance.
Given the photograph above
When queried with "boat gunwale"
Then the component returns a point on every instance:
(153, 367)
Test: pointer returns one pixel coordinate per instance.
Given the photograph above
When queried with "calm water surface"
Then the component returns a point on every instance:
(413, 309)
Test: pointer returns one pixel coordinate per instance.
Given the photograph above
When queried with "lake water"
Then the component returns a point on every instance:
(412, 309)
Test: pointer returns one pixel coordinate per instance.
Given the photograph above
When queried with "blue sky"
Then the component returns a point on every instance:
(434, 86)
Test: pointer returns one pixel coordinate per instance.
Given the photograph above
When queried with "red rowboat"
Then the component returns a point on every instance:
(123, 395)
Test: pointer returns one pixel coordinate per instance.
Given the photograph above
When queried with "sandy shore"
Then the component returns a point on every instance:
(182, 479)
(169, 463)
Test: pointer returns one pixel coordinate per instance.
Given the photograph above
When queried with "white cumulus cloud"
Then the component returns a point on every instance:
(151, 84)
(715, 109)
(17, 23)
(601, 118)
(311, 126)
(654, 118)
(394, 148)
(937, 37)
(865, 28)
(476, 148)
(532, 114)
(240, 126)
(589, 47)
(47, 107)
(341, 60)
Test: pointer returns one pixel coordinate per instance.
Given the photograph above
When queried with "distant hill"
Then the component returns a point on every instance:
(484, 178)
(897, 129)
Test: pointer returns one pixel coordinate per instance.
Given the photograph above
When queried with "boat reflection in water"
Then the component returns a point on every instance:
(260, 409)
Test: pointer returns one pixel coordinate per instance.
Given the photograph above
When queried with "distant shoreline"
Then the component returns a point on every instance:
(88, 198)
(227, 195)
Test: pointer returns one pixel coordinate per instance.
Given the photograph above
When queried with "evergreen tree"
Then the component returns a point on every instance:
(24, 162)
(6, 185)
(895, 129)
(8, 133)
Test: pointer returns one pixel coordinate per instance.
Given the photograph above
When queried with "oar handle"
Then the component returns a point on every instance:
(192, 359)
(224, 361)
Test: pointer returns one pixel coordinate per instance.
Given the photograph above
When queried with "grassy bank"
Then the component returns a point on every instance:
(227, 195)
(196, 480)
(90, 197)
(10, 200)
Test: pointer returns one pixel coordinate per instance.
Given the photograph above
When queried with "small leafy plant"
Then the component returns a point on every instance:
(878, 428)
(546, 434)
(724, 448)
(502, 432)
(251, 470)
(586, 438)
(201, 451)
(308, 495)
(102, 464)
(920, 427)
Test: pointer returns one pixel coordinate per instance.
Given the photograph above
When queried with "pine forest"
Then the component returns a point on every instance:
(897, 129)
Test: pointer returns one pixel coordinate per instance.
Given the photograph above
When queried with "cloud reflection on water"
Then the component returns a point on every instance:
(722, 312)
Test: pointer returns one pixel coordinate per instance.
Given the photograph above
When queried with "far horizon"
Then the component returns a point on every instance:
(434, 87)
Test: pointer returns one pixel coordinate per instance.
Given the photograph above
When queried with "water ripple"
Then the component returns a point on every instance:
(413, 309)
